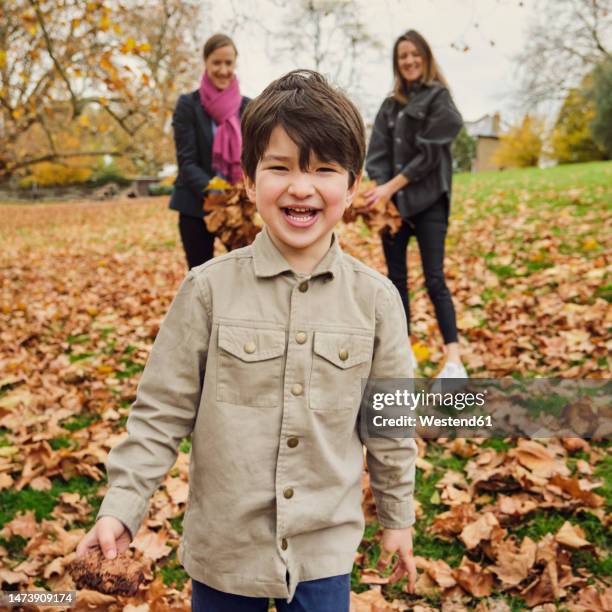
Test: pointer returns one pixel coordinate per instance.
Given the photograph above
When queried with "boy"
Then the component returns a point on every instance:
(260, 358)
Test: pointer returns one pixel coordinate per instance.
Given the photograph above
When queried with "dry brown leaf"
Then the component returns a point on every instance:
(11, 577)
(479, 530)
(516, 505)
(178, 490)
(513, 566)
(5, 481)
(372, 600)
(537, 458)
(473, 578)
(441, 573)
(41, 483)
(571, 536)
(152, 544)
(451, 523)
(572, 487)
(119, 576)
(544, 589)
(24, 525)
(590, 599)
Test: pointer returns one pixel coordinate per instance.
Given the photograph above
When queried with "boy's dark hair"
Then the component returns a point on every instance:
(317, 117)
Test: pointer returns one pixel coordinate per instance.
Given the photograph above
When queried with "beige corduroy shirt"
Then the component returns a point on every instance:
(263, 368)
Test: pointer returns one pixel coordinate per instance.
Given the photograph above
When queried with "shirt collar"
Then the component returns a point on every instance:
(268, 260)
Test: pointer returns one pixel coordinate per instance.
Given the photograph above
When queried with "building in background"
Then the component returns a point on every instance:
(485, 131)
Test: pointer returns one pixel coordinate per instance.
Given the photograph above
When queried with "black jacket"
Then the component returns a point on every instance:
(415, 140)
(193, 138)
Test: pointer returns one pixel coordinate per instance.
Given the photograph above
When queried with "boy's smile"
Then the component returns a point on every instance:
(299, 207)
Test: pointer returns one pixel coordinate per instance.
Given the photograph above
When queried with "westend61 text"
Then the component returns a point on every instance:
(413, 400)
(428, 420)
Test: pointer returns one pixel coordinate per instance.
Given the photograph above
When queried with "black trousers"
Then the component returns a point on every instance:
(430, 228)
(198, 242)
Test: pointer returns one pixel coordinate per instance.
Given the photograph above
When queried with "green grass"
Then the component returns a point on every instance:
(172, 572)
(80, 421)
(498, 444)
(603, 471)
(540, 523)
(43, 502)
(14, 546)
(537, 182)
(177, 523)
(130, 368)
(61, 442)
(75, 358)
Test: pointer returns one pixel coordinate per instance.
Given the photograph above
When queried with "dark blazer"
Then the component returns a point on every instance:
(415, 140)
(193, 138)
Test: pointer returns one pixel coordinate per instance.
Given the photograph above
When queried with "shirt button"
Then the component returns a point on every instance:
(297, 389)
(292, 442)
(398, 140)
(303, 286)
(284, 544)
(249, 347)
(288, 493)
(301, 337)
(343, 354)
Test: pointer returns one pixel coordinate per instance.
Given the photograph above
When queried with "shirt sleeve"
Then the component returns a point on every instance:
(391, 461)
(441, 126)
(380, 150)
(165, 408)
(184, 128)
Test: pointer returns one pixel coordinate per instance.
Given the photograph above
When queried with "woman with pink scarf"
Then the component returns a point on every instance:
(208, 141)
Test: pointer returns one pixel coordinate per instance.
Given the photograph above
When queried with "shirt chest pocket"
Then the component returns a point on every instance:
(250, 366)
(340, 361)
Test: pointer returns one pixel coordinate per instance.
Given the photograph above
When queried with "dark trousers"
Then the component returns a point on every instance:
(198, 242)
(323, 595)
(429, 227)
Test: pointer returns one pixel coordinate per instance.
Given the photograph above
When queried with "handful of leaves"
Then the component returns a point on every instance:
(119, 576)
(235, 220)
(381, 217)
(230, 214)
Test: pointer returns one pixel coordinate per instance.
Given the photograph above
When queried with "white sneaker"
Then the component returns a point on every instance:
(452, 370)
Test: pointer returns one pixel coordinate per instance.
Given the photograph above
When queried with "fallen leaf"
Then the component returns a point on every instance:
(473, 578)
(479, 530)
(571, 536)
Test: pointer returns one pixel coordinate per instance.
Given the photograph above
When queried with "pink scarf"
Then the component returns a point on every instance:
(224, 106)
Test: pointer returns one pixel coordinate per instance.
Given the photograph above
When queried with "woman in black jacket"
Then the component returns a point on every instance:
(409, 157)
(206, 124)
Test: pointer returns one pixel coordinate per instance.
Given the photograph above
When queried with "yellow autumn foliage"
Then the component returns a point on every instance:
(521, 145)
(45, 174)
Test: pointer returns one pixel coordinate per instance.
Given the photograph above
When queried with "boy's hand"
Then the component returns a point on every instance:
(400, 541)
(110, 534)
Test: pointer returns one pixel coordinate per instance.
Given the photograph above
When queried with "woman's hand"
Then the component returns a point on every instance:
(379, 192)
(110, 534)
(400, 541)
(385, 191)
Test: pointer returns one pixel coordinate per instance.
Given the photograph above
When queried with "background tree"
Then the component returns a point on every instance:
(464, 151)
(521, 146)
(571, 139)
(601, 95)
(564, 43)
(64, 63)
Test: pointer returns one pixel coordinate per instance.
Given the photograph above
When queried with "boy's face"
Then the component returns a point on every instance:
(300, 208)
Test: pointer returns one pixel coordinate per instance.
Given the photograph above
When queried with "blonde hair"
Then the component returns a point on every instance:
(431, 70)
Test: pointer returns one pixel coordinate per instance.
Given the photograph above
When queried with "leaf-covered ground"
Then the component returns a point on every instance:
(502, 524)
